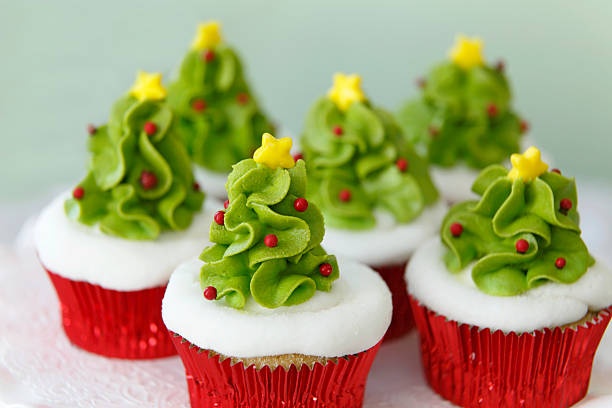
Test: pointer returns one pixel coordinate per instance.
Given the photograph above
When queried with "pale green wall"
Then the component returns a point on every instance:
(62, 63)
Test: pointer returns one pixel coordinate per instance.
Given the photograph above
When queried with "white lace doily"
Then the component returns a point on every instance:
(39, 368)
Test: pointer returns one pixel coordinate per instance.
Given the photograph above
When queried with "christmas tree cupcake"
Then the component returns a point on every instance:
(463, 121)
(373, 189)
(111, 244)
(216, 113)
(266, 317)
(509, 303)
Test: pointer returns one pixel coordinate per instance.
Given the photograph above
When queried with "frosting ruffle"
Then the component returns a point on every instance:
(369, 160)
(217, 115)
(261, 202)
(509, 211)
(114, 196)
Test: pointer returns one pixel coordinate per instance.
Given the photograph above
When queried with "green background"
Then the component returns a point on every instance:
(64, 62)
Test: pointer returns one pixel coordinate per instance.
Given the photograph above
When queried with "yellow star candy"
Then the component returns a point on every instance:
(527, 166)
(467, 52)
(148, 87)
(208, 35)
(346, 90)
(274, 153)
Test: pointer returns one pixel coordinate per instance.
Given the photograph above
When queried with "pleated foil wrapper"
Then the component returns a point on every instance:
(111, 323)
(402, 321)
(216, 382)
(474, 367)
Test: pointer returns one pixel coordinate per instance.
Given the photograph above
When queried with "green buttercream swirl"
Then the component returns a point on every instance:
(228, 129)
(261, 202)
(362, 160)
(506, 212)
(454, 104)
(121, 150)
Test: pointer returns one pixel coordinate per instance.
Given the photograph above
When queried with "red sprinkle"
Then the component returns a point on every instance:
(522, 246)
(78, 192)
(433, 131)
(208, 55)
(560, 263)
(524, 126)
(556, 171)
(148, 180)
(565, 204)
(150, 128)
(344, 195)
(242, 98)
(220, 217)
(91, 129)
(210, 293)
(402, 164)
(298, 156)
(300, 204)
(338, 131)
(196, 186)
(421, 82)
(456, 229)
(226, 204)
(500, 66)
(198, 105)
(326, 269)
(492, 109)
(271, 240)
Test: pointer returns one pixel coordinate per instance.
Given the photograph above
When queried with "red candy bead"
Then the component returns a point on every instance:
(402, 164)
(338, 131)
(226, 204)
(91, 129)
(524, 126)
(326, 269)
(560, 263)
(148, 180)
(208, 55)
(196, 186)
(271, 240)
(344, 195)
(298, 156)
(555, 171)
(198, 105)
(433, 131)
(220, 217)
(456, 229)
(421, 82)
(78, 192)
(565, 204)
(300, 204)
(522, 246)
(242, 98)
(150, 128)
(210, 293)
(500, 66)
(492, 109)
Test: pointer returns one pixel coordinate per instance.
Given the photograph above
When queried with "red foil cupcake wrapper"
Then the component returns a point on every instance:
(120, 324)
(475, 367)
(402, 320)
(214, 383)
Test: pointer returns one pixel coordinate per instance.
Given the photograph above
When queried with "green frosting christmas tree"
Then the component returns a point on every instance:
(464, 113)
(523, 232)
(139, 181)
(217, 115)
(358, 161)
(267, 241)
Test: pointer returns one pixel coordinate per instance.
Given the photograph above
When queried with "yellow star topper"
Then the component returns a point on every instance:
(148, 87)
(467, 52)
(346, 90)
(208, 35)
(274, 153)
(527, 166)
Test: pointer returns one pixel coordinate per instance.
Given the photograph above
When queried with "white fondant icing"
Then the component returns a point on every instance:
(79, 252)
(454, 183)
(388, 242)
(212, 182)
(350, 318)
(457, 297)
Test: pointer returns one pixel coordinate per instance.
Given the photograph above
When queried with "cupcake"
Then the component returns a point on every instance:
(374, 191)
(509, 304)
(265, 317)
(216, 114)
(110, 245)
(463, 121)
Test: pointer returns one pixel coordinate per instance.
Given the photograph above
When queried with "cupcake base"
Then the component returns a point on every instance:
(119, 324)
(402, 320)
(215, 382)
(474, 367)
